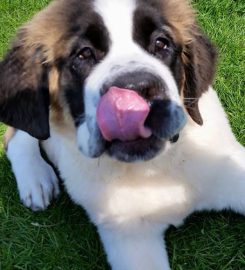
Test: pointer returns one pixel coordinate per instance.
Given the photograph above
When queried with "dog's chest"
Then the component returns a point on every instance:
(117, 192)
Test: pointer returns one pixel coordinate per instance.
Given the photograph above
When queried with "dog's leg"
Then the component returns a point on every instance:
(135, 250)
(224, 186)
(36, 180)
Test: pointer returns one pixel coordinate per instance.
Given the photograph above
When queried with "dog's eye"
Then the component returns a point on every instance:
(161, 44)
(85, 53)
(83, 60)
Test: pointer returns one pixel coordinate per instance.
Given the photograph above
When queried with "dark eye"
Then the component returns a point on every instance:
(161, 44)
(85, 53)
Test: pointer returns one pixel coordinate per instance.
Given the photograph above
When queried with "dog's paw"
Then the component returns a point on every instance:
(38, 185)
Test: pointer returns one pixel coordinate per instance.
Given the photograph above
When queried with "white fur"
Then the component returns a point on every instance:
(36, 180)
(132, 204)
(124, 56)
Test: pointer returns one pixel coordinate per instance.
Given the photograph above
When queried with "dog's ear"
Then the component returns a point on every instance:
(24, 95)
(199, 57)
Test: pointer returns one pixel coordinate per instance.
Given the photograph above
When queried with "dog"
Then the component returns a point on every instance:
(118, 94)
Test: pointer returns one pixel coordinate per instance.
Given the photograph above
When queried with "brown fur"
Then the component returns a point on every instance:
(181, 17)
(9, 134)
(37, 45)
(200, 64)
(198, 54)
(48, 29)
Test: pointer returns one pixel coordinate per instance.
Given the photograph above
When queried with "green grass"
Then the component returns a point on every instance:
(63, 238)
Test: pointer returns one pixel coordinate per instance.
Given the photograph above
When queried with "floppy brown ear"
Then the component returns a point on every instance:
(24, 95)
(200, 61)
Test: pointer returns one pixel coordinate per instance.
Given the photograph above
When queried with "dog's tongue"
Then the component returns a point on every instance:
(121, 114)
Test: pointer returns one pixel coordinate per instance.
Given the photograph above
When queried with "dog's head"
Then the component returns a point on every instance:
(128, 72)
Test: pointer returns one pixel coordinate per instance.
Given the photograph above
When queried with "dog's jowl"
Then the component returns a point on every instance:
(129, 83)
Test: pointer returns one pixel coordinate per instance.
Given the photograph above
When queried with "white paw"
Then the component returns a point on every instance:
(37, 184)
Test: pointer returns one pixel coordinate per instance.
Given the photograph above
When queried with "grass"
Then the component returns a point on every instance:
(63, 238)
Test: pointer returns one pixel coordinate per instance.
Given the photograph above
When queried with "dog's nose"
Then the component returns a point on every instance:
(146, 84)
(165, 119)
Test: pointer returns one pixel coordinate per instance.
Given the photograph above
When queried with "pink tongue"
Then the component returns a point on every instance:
(121, 114)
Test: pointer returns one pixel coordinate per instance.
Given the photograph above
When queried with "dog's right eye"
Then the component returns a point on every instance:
(84, 60)
(85, 53)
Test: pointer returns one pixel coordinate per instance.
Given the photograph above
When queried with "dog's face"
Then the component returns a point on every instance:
(75, 53)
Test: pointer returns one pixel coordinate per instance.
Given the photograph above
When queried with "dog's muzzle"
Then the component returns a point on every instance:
(135, 119)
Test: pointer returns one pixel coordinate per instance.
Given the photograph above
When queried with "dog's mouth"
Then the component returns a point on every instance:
(136, 150)
(134, 129)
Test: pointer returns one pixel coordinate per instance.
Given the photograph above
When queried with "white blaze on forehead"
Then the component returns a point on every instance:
(118, 19)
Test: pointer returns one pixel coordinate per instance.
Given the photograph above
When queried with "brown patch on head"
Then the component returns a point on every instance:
(55, 26)
(48, 30)
(181, 17)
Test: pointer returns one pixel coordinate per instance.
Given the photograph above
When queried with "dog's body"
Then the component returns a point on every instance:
(132, 204)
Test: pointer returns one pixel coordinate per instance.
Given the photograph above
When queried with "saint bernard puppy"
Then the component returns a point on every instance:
(119, 96)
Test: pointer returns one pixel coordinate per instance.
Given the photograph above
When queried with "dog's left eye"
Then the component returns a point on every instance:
(161, 44)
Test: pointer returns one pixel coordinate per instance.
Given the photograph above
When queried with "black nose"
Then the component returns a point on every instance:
(146, 84)
(166, 119)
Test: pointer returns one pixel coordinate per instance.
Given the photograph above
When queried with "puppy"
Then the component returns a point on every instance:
(118, 94)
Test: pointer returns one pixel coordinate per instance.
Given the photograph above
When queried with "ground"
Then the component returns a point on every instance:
(63, 238)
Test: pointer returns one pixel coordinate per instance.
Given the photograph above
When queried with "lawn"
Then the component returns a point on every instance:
(63, 238)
